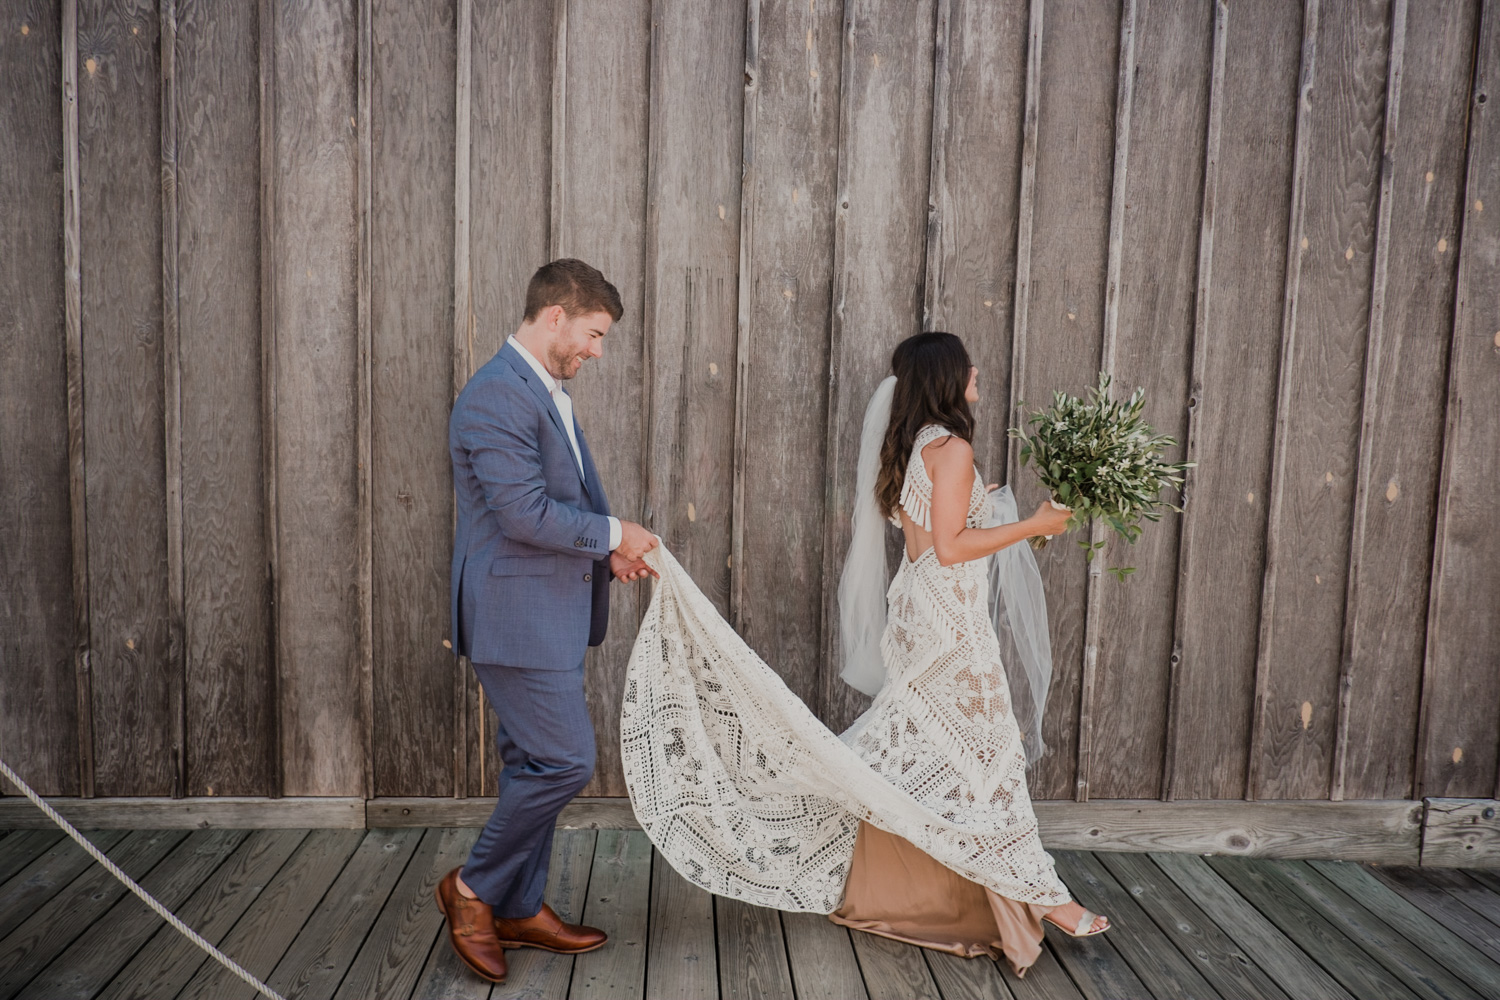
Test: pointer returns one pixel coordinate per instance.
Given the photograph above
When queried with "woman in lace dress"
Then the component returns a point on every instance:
(945, 706)
(915, 822)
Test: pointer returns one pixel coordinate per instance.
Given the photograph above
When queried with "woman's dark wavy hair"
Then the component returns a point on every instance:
(932, 372)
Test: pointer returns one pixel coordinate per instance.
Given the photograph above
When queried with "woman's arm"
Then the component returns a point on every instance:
(950, 466)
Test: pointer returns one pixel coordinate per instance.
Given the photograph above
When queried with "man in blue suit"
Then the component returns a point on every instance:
(533, 555)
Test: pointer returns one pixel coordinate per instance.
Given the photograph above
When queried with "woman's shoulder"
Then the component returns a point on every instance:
(941, 448)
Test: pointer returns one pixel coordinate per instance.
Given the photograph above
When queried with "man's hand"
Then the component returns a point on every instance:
(635, 541)
(629, 570)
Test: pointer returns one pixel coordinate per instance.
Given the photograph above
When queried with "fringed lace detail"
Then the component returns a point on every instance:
(916, 491)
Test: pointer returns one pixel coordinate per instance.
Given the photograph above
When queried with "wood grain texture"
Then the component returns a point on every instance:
(821, 957)
(1325, 326)
(326, 945)
(100, 952)
(46, 876)
(1221, 962)
(393, 954)
(1164, 970)
(313, 256)
(1062, 302)
(1461, 833)
(411, 374)
(893, 970)
(21, 847)
(752, 952)
(1451, 952)
(691, 289)
(1384, 832)
(1283, 906)
(1443, 907)
(880, 226)
(277, 915)
(33, 943)
(1153, 347)
(166, 963)
(967, 979)
(786, 280)
(120, 208)
(141, 812)
(599, 174)
(974, 181)
(619, 898)
(1272, 950)
(1460, 730)
(171, 364)
(1404, 960)
(38, 704)
(1401, 416)
(226, 617)
(1222, 546)
(72, 236)
(681, 957)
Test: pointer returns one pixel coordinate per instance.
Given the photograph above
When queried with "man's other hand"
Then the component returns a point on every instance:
(635, 541)
(628, 570)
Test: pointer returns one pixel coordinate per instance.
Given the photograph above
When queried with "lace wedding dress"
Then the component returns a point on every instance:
(748, 795)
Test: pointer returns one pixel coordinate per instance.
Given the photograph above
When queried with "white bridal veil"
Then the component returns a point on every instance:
(1018, 607)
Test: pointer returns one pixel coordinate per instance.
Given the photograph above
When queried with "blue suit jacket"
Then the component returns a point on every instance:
(530, 580)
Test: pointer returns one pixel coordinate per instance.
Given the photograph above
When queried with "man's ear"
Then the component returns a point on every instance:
(555, 317)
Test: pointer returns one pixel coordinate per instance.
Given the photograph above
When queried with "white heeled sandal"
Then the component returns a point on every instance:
(1085, 926)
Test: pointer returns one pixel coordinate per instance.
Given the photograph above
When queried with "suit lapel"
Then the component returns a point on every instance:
(522, 369)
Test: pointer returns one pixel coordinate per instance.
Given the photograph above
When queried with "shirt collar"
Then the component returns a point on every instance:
(547, 380)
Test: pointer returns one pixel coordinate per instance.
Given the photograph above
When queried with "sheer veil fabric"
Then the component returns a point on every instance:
(748, 795)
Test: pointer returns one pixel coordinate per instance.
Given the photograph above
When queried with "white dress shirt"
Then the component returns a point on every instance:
(564, 404)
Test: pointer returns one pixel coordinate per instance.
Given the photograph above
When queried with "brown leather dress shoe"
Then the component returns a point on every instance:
(547, 931)
(471, 930)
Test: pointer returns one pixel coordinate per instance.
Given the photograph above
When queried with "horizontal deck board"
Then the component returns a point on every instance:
(349, 913)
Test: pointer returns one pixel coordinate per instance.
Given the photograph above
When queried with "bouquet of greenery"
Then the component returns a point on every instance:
(1097, 456)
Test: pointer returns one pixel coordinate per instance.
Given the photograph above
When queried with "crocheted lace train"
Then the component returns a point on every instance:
(748, 795)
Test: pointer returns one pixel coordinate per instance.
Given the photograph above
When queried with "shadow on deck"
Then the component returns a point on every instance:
(350, 913)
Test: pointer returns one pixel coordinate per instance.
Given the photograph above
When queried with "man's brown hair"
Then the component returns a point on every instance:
(579, 288)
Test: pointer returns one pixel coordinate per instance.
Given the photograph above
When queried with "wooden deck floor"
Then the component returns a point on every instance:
(349, 913)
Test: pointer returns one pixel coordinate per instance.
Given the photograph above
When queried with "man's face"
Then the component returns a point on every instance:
(575, 341)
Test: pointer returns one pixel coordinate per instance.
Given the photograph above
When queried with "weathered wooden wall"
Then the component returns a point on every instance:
(249, 252)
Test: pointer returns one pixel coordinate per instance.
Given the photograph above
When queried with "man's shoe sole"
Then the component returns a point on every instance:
(555, 951)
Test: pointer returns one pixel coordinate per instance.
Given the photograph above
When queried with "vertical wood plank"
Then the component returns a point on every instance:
(1233, 401)
(977, 133)
(463, 318)
(120, 211)
(752, 952)
(1093, 622)
(73, 339)
(1061, 264)
(412, 106)
(39, 720)
(790, 164)
(681, 958)
(878, 260)
(225, 614)
(1402, 422)
(1213, 137)
(691, 301)
(1152, 347)
(363, 417)
(619, 898)
(171, 363)
(314, 254)
(1325, 323)
(270, 464)
(1459, 728)
(600, 165)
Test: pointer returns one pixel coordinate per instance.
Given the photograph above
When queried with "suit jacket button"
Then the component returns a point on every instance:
(588, 578)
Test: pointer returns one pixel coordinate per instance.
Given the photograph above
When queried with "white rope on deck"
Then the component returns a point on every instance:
(134, 887)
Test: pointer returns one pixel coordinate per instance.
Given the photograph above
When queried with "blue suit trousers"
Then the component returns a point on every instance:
(546, 743)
